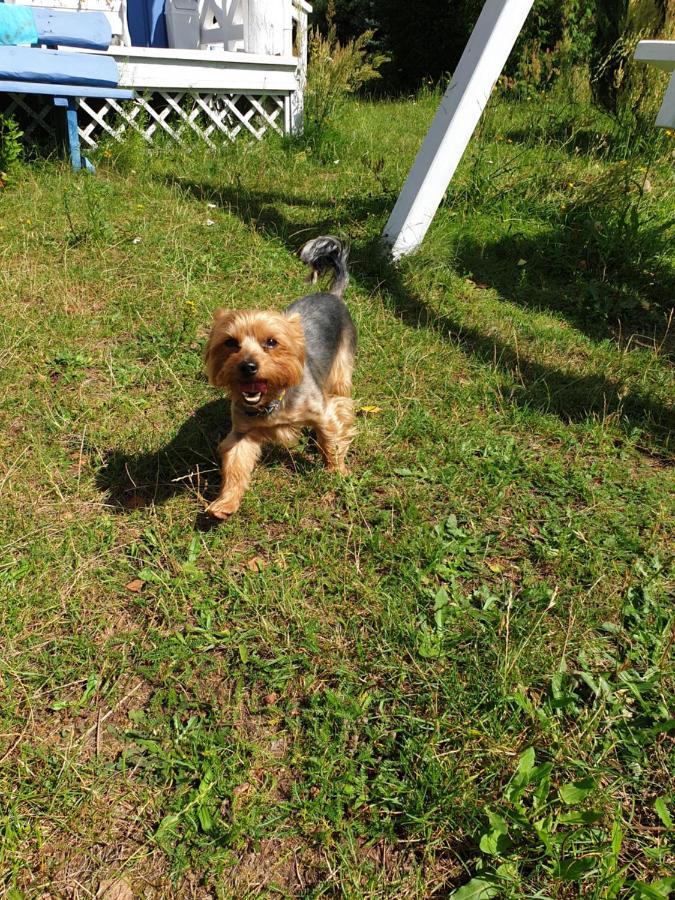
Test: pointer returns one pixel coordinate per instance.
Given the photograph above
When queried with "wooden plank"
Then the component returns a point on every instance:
(63, 90)
(662, 55)
(264, 26)
(659, 53)
(203, 73)
(491, 41)
(205, 70)
(87, 30)
(666, 115)
(212, 57)
(52, 66)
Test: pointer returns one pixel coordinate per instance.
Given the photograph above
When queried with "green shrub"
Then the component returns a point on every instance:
(11, 150)
(587, 44)
(335, 70)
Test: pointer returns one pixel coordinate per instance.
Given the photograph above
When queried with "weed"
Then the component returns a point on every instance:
(11, 150)
(93, 198)
(128, 152)
(335, 71)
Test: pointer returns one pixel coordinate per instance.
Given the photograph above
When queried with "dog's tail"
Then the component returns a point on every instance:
(327, 252)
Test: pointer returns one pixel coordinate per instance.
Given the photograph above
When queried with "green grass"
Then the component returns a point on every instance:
(454, 664)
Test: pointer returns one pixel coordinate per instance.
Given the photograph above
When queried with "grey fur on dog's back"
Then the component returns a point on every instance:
(326, 322)
(327, 325)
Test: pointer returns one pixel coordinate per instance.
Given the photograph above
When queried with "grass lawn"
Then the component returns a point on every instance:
(454, 666)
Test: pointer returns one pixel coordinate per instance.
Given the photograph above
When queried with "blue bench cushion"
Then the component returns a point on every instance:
(17, 25)
(57, 27)
(65, 90)
(56, 67)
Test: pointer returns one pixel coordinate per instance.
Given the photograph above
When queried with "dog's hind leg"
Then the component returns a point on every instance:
(339, 380)
(335, 432)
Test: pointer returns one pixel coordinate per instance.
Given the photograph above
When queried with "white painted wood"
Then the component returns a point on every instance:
(659, 53)
(666, 115)
(220, 57)
(295, 112)
(222, 24)
(176, 114)
(486, 52)
(215, 70)
(265, 31)
(662, 55)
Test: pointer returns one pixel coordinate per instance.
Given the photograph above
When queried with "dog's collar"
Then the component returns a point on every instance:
(264, 411)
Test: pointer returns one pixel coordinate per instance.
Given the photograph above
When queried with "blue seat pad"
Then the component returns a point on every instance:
(57, 27)
(65, 90)
(57, 67)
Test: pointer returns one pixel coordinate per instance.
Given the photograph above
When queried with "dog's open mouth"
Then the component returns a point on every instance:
(253, 391)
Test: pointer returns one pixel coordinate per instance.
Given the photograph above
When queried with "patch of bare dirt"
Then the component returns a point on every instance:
(274, 864)
(100, 849)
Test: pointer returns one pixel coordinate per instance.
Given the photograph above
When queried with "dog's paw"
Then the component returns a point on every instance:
(222, 507)
(339, 466)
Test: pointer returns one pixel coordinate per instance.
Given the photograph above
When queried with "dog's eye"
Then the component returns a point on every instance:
(232, 344)
(270, 343)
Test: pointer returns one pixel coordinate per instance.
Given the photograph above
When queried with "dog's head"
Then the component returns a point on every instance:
(255, 355)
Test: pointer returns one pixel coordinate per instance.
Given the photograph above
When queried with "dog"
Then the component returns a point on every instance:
(285, 371)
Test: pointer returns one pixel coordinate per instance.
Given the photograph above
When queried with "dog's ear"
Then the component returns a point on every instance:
(213, 354)
(295, 330)
(296, 333)
(222, 317)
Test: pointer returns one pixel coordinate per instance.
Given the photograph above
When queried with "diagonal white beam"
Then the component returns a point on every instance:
(661, 54)
(485, 54)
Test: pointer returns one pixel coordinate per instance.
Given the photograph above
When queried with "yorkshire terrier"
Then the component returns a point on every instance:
(285, 371)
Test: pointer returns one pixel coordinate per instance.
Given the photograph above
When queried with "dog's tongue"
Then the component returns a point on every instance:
(253, 387)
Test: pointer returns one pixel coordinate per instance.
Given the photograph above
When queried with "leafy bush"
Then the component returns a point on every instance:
(335, 70)
(11, 150)
(425, 40)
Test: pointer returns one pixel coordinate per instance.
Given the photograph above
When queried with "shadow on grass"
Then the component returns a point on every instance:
(188, 462)
(578, 135)
(563, 271)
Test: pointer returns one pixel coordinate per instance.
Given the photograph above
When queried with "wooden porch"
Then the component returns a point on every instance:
(245, 77)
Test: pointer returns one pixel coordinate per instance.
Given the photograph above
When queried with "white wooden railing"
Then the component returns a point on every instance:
(662, 55)
(253, 26)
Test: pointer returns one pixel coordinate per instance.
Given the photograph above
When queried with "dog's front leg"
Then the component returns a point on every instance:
(239, 454)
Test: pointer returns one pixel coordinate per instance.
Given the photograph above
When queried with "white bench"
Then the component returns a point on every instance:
(661, 54)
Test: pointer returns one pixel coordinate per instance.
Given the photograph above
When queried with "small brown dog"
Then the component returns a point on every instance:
(285, 371)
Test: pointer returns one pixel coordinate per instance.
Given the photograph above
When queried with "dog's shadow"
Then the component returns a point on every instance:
(188, 462)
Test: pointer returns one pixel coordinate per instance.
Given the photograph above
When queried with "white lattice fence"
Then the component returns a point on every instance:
(179, 113)
(35, 114)
(175, 114)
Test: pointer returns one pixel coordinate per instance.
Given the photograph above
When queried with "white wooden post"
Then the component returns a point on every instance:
(661, 54)
(296, 102)
(486, 52)
(265, 32)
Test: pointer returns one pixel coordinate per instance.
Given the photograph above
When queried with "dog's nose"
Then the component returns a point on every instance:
(248, 367)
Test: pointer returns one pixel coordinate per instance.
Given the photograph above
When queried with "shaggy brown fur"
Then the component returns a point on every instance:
(260, 359)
